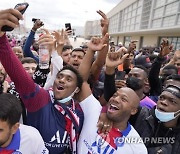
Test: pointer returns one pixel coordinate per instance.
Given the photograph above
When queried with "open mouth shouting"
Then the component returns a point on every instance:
(113, 108)
(60, 88)
(75, 65)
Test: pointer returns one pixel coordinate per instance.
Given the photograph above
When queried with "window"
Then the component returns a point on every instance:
(129, 15)
(125, 11)
(127, 28)
(120, 21)
(125, 16)
(135, 5)
(130, 8)
(133, 13)
(131, 27)
(113, 26)
(146, 13)
(124, 23)
(178, 22)
(138, 18)
(169, 21)
(158, 12)
(140, 3)
(160, 3)
(137, 26)
(168, 1)
(127, 40)
(156, 23)
(139, 10)
(172, 40)
(128, 22)
(133, 20)
(172, 8)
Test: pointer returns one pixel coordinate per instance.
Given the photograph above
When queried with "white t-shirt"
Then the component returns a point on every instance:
(89, 138)
(27, 140)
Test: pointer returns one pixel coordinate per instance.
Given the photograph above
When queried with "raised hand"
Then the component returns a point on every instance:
(132, 46)
(38, 24)
(60, 37)
(114, 59)
(165, 48)
(47, 39)
(67, 32)
(97, 44)
(104, 22)
(60, 40)
(10, 17)
(122, 51)
(120, 83)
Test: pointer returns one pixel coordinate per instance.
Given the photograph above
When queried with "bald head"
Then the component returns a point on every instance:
(132, 96)
(122, 105)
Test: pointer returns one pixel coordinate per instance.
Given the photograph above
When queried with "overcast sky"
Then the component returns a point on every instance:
(55, 13)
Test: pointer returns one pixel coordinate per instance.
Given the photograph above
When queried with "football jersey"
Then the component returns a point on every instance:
(26, 140)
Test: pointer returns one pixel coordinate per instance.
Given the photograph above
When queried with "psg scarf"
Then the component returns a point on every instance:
(72, 123)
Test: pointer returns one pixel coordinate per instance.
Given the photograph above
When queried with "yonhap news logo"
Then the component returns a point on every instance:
(120, 141)
(159, 140)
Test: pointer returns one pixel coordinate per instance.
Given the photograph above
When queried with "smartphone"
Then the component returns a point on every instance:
(7, 28)
(120, 75)
(34, 20)
(68, 26)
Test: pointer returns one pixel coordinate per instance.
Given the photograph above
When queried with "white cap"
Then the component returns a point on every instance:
(120, 43)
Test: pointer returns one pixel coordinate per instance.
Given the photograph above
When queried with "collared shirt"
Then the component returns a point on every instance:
(113, 143)
(26, 140)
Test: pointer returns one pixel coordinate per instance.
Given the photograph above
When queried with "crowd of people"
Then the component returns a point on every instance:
(95, 99)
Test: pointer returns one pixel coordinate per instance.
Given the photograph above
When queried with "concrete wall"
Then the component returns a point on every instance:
(150, 40)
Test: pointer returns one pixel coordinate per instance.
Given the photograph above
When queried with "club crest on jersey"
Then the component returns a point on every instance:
(119, 141)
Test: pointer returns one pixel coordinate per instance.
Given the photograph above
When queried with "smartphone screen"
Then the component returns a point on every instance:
(68, 26)
(7, 28)
(120, 75)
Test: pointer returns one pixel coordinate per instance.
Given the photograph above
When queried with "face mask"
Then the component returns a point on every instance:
(134, 83)
(67, 99)
(165, 116)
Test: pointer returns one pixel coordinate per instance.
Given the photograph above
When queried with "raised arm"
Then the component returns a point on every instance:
(56, 60)
(113, 59)
(84, 68)
(27, 46)
(67, 33)
(154, 80)
(60, 39)
(28, 90)
(96, 44)
(101, 56)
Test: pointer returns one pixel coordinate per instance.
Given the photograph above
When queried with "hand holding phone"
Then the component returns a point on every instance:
(8, 28)
(120, 75)
(68, 26)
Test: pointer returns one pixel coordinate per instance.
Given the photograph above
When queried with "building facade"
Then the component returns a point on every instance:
(147, 21)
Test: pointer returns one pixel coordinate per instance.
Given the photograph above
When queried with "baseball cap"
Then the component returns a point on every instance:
(143, 60)
(120, 44)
